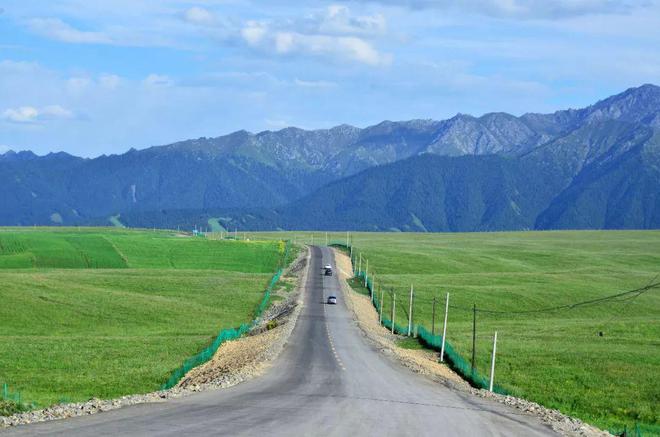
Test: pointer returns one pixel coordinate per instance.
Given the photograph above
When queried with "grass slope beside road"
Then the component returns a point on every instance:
(105, 313)
(555, 358)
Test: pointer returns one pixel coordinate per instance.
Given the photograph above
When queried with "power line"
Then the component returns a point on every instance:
(620, 297)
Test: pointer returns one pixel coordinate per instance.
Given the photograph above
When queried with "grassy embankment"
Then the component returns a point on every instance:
(102, 312)
(556, 358)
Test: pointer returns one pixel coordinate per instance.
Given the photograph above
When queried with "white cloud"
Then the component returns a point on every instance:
(338, 20)
(526, 9)
(24, 114)
(258, 35)
(78, 84)
(158, 80)
(56, 29)
(199, 16)
(333, 32)
(254, 32)
(314, 83)
(30, 114)
(109, 81)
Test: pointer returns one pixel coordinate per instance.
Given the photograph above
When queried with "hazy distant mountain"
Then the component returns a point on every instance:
(595, 167)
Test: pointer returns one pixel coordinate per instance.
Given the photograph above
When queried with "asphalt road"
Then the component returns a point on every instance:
(328, 381)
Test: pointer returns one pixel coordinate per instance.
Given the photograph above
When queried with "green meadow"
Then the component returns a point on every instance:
(104, 312)
(599, 362)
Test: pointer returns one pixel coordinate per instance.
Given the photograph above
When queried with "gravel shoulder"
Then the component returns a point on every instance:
(425, 362)
(234, 362)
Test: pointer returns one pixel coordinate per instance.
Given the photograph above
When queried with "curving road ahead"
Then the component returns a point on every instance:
(327, 381)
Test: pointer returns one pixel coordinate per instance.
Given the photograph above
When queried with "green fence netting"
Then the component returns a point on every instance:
(231, 333)
(451, 357)
(8, 395)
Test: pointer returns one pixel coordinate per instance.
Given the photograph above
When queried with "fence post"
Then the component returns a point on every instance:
(492, 363)
(410, 309)
(474, 338)
(433, 318)
(373, 287)
(380, 314)
(366, 273)
(444, 330)
(393, 309)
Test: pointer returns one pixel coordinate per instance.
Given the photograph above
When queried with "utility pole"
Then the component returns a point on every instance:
(444, 330)
(474, 337)
(433, 318)
(380, 313)
(492, 363)
(393, 309)
(410, 310)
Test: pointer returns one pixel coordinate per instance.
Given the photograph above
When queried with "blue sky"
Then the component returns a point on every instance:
(100, 77)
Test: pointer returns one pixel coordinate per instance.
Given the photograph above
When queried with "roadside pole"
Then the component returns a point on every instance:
(393, 309)
(366, 274)
(380, 313)
(326, 238)
(360, 264)
(474, 337)
(492, 363)
(433, 318)
(410, 310)
(373, 287)
(444, 331)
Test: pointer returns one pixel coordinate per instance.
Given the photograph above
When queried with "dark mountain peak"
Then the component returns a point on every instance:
(23, 155)
(640, 104)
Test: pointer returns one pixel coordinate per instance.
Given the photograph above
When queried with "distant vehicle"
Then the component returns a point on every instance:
(332, 300)
(328, 270)
(327, 266)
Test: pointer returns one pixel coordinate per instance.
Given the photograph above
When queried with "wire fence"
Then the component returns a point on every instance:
(365, 275)
(455, 361)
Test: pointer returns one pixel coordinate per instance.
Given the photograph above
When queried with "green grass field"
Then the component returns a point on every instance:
(555, 358)
(102, 312)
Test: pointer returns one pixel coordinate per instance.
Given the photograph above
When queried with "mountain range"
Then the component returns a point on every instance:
(592, 168)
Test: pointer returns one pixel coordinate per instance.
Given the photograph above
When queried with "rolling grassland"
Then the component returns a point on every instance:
(105, 312)
(597, 361)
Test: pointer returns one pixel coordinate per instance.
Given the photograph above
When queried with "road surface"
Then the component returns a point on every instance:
(328, 380)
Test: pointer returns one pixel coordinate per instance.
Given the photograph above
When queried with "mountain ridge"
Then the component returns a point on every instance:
(273, 169)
